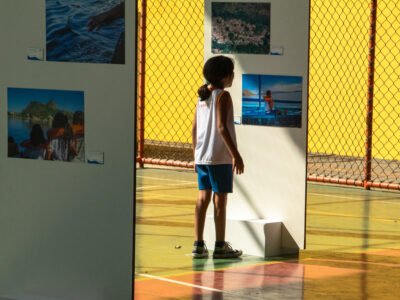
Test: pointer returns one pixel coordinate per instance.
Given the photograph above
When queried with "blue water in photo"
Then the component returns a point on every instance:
(285, 114)
(20, 130)
(250, 105)
(68, 38)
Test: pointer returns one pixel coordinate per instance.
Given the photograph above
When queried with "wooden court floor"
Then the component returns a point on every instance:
(353, 247)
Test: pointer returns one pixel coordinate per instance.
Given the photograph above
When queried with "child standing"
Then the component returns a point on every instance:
(77, 147)
(216, 154)
(269, 102)
(59, 138)
(36, 146)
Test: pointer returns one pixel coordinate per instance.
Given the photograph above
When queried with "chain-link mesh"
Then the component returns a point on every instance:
(174, 60)
(338, 88)
(338, 85)
(386, 126)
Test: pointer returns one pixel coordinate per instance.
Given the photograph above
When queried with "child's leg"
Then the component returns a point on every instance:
(220, 200)
(203, 201)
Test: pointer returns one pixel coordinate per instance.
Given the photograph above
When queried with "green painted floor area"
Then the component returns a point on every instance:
(352, 247)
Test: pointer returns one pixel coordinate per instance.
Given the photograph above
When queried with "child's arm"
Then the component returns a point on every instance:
(48, 154)
(224, 103)
(194, 132)
(116, 12)
(194, 135)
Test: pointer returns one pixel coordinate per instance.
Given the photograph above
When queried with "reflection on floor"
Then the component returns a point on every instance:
(353, 247)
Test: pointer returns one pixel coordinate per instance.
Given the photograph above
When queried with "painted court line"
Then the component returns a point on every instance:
(328, 214)
(355, 198)
(164, 179)
(354, 262)
(335, 196)
(148, 187)
(180, 282)
(170, 196)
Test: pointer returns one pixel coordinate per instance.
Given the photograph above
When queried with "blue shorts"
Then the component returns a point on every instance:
(218, 178)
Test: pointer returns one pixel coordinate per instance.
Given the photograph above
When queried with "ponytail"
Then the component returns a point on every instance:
(214, 71)
(204, 92)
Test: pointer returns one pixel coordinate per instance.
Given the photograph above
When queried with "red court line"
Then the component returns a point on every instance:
(386, 252)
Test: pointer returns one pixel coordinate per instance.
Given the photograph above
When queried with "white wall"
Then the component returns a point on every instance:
(274, 182)
(66, 229)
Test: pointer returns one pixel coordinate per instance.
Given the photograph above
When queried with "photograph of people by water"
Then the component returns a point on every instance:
(89, 31)
(272, 100)
(241, 27)
(46, 124)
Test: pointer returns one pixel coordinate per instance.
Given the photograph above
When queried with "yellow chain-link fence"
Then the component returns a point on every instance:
(174, 60)
(340, 55)
(339, 87)
(386, 130)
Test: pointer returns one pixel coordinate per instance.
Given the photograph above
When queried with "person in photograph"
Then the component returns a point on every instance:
(216, 154)
(77, 148)
(269, 102)
(36, 146)
(13, 150)
(104, 18)
(59, 138)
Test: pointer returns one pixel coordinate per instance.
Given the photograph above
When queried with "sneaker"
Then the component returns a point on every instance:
(200, 251)
(226, 251)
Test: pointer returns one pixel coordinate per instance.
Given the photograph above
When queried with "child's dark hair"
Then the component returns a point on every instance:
(60, 120)
(215, 69)
(36, 135)
(78, 118)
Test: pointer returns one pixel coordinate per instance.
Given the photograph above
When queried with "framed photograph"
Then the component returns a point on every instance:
(90, 31)
(272, 100)
(46, 124)
(241, 27)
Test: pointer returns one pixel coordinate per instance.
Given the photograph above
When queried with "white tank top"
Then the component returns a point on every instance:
(210, 147)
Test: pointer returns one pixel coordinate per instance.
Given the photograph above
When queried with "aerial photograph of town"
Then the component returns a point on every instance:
(241, 27)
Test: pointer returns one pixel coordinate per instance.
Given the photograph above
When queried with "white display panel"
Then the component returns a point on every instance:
(66, 229)
(273, 186)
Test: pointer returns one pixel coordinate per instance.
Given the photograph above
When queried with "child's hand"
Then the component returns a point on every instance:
(96, 22)
(238, 165)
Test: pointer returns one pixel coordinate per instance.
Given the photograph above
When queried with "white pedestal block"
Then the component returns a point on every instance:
(255, 237)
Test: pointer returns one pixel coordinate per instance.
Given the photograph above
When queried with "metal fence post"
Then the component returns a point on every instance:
(142, 77)
(370, 102)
